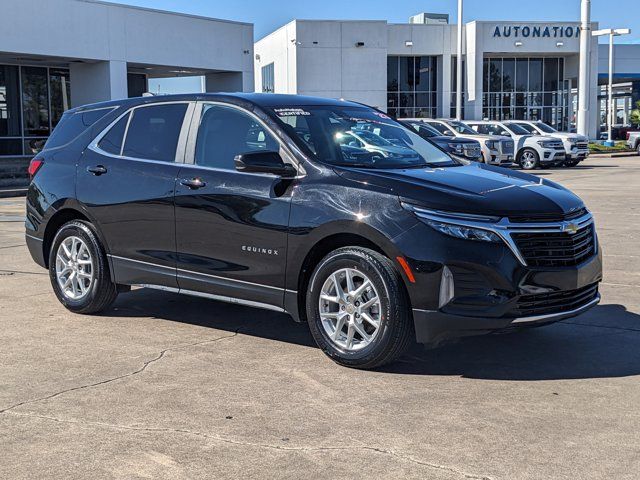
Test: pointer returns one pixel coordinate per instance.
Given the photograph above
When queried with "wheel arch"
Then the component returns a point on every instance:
(360, 235)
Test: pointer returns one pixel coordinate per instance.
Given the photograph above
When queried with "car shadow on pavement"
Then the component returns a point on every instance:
(604, 342)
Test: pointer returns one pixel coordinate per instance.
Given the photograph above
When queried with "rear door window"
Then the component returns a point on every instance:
(154, 132)
(112, 141)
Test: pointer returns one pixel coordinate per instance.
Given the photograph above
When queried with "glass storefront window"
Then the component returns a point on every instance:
(526, 89)
(32, 102)
(35, 101)
(412, 86)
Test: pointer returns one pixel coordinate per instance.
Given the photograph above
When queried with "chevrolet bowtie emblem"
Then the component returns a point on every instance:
(570, 228)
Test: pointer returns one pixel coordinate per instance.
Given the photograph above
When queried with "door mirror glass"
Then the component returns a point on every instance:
(264, 162)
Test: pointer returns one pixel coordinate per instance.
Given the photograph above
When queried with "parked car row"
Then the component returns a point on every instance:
(527, 144)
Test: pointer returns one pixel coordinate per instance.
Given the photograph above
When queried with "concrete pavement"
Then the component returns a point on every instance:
(166, 386)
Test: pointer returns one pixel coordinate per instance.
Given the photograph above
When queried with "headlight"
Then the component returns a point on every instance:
(573, 141)
(546, 143)
(456, 147)
(457, 224)
(465, 233)
(492, 144)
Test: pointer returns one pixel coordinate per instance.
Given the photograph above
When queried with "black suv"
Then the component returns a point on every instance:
(464, 148)
(327, 210)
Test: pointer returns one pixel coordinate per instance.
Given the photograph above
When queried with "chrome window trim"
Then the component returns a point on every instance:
(93, 146)
(190, 158)
(504, 227)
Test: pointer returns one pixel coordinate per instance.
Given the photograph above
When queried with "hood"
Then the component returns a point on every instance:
(568, 136)
(475, 188)
(445, 139)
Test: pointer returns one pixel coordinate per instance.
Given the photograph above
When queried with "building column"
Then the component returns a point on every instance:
(98, 82)
(445, 66)
(229, 82)
(593, 123)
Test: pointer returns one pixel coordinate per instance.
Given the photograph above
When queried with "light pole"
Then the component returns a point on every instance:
(610, 111)
(585, 54)
(459, 65)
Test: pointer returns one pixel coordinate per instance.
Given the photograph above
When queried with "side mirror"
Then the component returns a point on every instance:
(264, 162)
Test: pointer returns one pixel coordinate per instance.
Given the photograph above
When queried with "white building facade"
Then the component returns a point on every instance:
(57, 54)
(512, 70)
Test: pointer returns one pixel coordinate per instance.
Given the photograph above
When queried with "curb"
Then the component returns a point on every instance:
(631, 153)
(13, 192)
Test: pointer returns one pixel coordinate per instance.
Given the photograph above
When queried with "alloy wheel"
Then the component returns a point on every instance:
(528, 160)
(350, 309)
(74, 268)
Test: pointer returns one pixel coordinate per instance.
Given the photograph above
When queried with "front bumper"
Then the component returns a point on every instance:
(492, 289)
(432, 327)
(550, 155)
(577, 154)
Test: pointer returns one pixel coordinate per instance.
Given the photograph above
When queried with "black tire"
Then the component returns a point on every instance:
(571, 163)
(102, 291)
(395, 332)
(534, 161)
(638, 148)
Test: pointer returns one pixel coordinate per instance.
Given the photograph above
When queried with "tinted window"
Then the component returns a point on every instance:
(442, 129)
(73, 124)
(154, 132)
(112, 141)
(226, 132)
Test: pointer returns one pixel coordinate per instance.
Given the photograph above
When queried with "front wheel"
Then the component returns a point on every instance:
(79, 271)
(358, 309)
(529, 159)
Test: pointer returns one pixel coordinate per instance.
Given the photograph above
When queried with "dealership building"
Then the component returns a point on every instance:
(511, 70)
(57, 54)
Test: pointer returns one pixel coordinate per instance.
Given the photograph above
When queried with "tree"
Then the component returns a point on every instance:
(634, 118)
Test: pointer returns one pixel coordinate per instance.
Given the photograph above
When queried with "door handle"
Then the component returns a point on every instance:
(193, 183)
(97, 170)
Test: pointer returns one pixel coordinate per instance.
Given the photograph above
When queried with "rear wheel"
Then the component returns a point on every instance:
(79, 271)
(529, 159)
(638, 148)
(358, 309)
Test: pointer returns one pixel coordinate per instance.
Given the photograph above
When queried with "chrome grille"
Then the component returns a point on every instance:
(561, 249)
(472, 151)
(582, 145)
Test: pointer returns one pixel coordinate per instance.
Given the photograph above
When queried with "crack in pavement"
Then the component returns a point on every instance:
(23, 272)
(208, 436)
(13, 246)
(119, 377)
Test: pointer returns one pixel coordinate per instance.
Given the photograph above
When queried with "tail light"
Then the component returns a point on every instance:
(34, 166)
(628, 135)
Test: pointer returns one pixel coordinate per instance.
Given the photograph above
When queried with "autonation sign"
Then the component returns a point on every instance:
(537, 31)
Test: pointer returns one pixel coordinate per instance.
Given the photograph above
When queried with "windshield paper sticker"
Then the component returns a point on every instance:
(291, 112)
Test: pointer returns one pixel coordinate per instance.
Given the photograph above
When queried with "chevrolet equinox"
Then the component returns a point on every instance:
(327, 210)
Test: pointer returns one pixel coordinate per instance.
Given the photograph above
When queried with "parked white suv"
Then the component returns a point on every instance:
(576, 146)
(531, 151)
(495, 150)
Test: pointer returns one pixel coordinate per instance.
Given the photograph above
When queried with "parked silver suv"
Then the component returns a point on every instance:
(495, 150)
(531, 151)
(576, 146)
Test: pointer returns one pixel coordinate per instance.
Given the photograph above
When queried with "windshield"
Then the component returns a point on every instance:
(425, 131)
(517, 129)
(462, 128)
(358, 137)
(527, 128)
(546, 128)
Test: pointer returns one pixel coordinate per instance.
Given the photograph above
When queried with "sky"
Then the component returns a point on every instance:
(268, 15)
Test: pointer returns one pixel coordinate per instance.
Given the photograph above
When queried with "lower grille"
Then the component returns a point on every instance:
(557, 249)
(556, 302)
